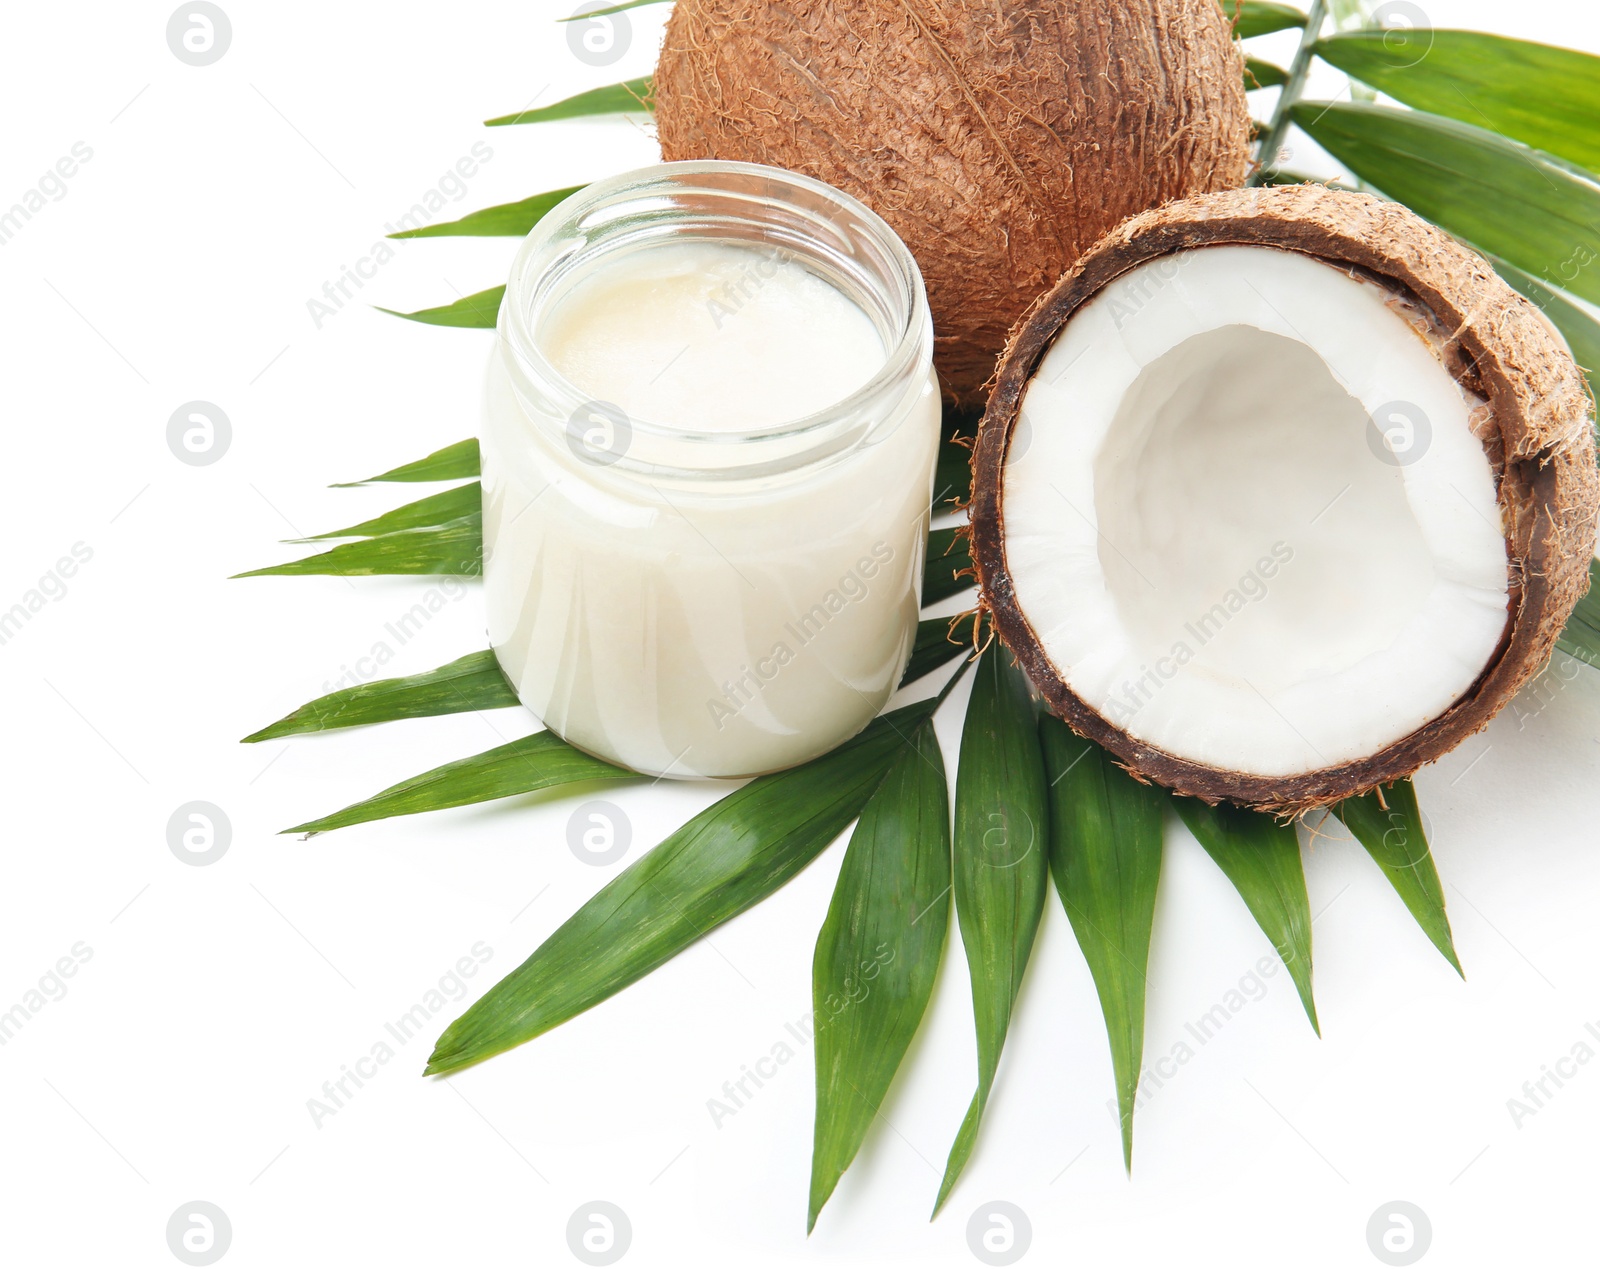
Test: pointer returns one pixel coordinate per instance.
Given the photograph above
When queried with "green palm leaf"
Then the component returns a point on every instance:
(506, 220)
(1501, 196)
(723, 861)
(1262, 859)
(425, 513)
(1000, 867)
(613, 8)
(878, 953)
(478, 311)
(453, 462)
(1105, 853)
(455, 548)
(1547, 97)
(540, 761)
(1395, 838)
(1261, 17)
(471, 683)
(1259, 74)
(629, 97)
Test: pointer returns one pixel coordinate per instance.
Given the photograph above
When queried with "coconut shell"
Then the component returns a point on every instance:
(1538, 435)
(998, 140)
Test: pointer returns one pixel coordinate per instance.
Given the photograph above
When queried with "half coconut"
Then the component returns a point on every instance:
(1281, 494)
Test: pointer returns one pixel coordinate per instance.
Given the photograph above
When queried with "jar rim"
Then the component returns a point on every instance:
(575, 230)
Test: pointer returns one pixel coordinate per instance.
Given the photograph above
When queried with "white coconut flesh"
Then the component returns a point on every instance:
(1246, 515)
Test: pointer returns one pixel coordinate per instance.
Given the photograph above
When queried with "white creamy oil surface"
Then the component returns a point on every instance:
(706, 623)
(653, 328)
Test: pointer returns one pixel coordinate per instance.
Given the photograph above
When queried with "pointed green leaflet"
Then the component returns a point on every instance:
(632, 96)
(1105, 854)
(1262, 859)
(425, 513)
(609, 9)
(453, 462)
(455, 549)
(540, 761)
(1259, 74)
(470, 683)
(478, 311)
(1394, 836)
(1000, 867)
(1545, 97)
(506, 220)
(1261, 17)
(878, 953)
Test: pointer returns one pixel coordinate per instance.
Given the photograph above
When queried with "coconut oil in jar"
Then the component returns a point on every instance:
(708, 448)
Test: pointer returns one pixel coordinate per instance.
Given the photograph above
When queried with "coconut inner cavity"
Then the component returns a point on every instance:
(1246, 516)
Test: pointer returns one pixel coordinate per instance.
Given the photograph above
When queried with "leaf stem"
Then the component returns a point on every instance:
(1290, 93)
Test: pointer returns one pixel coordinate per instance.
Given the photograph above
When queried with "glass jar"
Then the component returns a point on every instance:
(716, 603)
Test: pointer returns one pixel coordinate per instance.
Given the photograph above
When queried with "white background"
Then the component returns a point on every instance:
(219, 999)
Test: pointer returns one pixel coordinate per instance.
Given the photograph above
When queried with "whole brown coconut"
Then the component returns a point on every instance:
(1000, 140)
(1520, 415)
